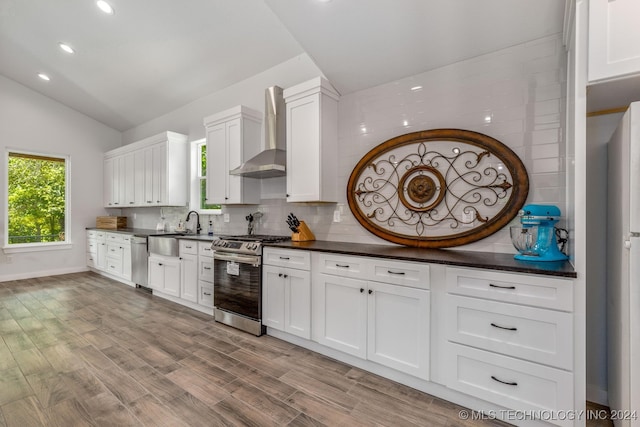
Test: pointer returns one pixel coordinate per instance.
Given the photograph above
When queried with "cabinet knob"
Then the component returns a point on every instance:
(288, 195)
(361, 290)
(159, 263)
(279, 274)
(285, 276)
(370, 291)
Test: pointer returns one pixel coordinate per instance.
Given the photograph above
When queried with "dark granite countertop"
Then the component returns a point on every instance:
(485, 260)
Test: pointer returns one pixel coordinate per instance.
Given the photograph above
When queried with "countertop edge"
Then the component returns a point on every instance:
(471, 259)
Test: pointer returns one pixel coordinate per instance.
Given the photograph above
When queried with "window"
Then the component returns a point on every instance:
(199, 180)
(37, 196)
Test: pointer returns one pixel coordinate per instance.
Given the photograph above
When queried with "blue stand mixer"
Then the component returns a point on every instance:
(536, 239)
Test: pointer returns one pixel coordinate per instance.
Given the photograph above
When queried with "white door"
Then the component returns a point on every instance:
(148, 176)
(297, 302)
(217, 172)
(159, 172)
(234, 160)
(303, 149)
(340, 314)
(172, 277)
(398, 328)
(101, 259)
(189, 279)
(139, 177)
(156, 273)
(273, 289)
(129, 198)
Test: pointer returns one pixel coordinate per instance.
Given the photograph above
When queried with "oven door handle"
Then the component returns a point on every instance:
(240, 259)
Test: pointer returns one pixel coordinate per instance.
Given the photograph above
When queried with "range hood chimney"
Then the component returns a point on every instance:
(272, 161)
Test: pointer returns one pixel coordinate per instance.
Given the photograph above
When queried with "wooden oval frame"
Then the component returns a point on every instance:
(511, 161)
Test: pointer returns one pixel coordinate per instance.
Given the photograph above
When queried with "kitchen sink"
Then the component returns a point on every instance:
(166, 245)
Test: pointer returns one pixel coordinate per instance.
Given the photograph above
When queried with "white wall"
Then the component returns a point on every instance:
(34, 122)
(521, 87)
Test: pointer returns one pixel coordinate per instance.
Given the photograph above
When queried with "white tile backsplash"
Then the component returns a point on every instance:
(521, 88)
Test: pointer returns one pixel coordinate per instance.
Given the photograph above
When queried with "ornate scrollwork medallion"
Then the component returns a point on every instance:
(437, 188)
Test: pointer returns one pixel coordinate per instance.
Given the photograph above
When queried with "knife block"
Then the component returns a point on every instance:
(304, 234)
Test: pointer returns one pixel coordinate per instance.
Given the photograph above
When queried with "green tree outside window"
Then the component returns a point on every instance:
(36, 199)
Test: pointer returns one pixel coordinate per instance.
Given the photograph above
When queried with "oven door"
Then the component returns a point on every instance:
(237, 286)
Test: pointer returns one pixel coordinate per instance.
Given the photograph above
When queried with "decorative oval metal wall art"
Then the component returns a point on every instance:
(437, 188)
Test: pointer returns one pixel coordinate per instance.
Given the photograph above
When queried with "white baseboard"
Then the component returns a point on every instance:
(597, 395)
(34, 274)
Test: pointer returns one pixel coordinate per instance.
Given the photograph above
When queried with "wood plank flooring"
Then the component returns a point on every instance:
(83, 350)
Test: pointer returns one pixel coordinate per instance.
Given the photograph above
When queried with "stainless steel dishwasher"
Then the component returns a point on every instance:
(139, 257)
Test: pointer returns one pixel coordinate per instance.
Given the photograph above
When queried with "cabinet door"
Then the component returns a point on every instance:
(303, 149)
(126, 262)
(340, 314)
(128, 175)
(156, 273)
(297, 302)
(139, 177)
(189, 279)
(398, 328)
(101, 259)
(205, 269)
(148, 176)
(217, 170)
(614, 39)
(172, 277)
(107, 181)
(273, 290)
(159, 173)
(234, 160)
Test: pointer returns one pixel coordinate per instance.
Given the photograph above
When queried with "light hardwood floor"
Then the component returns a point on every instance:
(83, 350)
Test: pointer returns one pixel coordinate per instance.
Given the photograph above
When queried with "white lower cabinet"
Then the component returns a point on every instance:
(164, 274)
(286, 291)
(505, 345)
(381, 322)
(189, 279)
(110, 252)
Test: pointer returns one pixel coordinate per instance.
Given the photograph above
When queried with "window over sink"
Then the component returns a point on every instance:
(199, 180)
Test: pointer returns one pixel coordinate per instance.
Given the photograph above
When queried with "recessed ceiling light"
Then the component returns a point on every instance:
(66, 47)
(43, 76)
(105, 7)
(415, 88)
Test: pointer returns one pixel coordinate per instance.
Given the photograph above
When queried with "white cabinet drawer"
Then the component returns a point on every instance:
(535, 334)
(205, 296)
(291, 258)
(509, 382)
(100, 236)
(343, 265)
(188, 247)
(115, 250)
(204, 249)
(92, 246)
(91, 234)
(539, 291)
(205, 269)
(91, 260)
(114, 266)
(114, 237)
(400, 273)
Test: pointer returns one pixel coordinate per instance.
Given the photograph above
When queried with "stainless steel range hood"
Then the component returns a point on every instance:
(272, 161)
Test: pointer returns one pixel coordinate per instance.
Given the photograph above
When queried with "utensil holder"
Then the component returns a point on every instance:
(304, 234)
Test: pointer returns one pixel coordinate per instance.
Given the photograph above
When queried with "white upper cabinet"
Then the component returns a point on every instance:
(614, 39)
(312, 141)
(233, 137)
(150, 172)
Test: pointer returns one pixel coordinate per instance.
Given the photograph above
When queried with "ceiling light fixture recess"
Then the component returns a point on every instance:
(66, 47)
(105, 7)
(44, 77)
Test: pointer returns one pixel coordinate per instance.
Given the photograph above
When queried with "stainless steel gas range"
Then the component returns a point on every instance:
(237, 293)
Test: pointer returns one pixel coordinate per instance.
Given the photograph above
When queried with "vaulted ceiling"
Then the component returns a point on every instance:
(153, 56)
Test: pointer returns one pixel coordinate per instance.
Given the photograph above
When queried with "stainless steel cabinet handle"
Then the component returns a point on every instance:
(400, 273)
(504, 382)
(504, 327)
(501, 287)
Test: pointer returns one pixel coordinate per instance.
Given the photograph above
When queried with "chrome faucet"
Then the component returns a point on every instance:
(198, 228)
